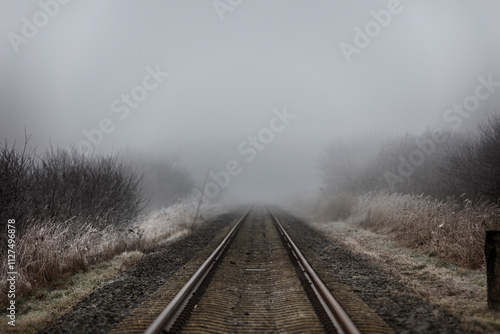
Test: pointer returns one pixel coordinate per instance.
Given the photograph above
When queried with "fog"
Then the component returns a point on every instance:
(208, 76)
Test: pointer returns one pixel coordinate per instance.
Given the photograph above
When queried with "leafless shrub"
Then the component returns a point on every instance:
(16, 167)
(475, 164)
(74, 210)
(66, 187)
(461, 163)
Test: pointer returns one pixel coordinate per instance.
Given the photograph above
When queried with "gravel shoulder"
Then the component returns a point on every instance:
(459, 290)
(411, 292)
(375, 283)
(103, 309)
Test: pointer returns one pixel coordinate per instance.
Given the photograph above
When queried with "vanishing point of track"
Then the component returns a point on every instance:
(258, 280)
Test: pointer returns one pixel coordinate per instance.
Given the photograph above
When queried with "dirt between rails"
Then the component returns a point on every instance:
(256, 288)
(402, 309)
(103, 309)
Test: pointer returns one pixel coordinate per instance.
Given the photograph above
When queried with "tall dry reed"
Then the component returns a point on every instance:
(46, 252)
(452, 229)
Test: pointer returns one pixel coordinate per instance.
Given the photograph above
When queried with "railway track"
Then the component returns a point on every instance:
(256, 280)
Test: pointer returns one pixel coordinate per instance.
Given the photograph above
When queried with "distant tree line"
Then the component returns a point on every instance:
(441, 164)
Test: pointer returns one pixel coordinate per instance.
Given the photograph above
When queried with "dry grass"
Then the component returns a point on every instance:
(454, 231)
(163, 225)
(460, 290)
(47, 252)
(48, 303)
(57, 266)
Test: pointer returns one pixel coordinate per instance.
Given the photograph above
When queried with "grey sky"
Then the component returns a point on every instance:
(226, 77)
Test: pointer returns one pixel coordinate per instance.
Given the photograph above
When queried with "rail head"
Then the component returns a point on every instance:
(171, 317)
(172, 312)
(331, 307)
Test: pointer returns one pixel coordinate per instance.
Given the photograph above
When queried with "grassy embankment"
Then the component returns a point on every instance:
(79, 222)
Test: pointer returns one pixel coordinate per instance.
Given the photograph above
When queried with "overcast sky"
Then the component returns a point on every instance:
(229, 65)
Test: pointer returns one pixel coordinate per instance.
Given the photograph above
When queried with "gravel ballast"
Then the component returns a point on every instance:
(103, 309)
(401, 308)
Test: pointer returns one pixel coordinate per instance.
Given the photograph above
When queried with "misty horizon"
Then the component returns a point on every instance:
(203, 81)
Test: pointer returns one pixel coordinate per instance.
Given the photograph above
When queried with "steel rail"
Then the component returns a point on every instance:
(331, 313)
(178, 310)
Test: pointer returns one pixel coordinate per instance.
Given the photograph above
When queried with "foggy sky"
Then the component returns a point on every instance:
(227, 76)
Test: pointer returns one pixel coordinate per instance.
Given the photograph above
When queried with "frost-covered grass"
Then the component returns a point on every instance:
(45, 304)
(47, 252)
(450, 229)
(174, 221)
(162, 225)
